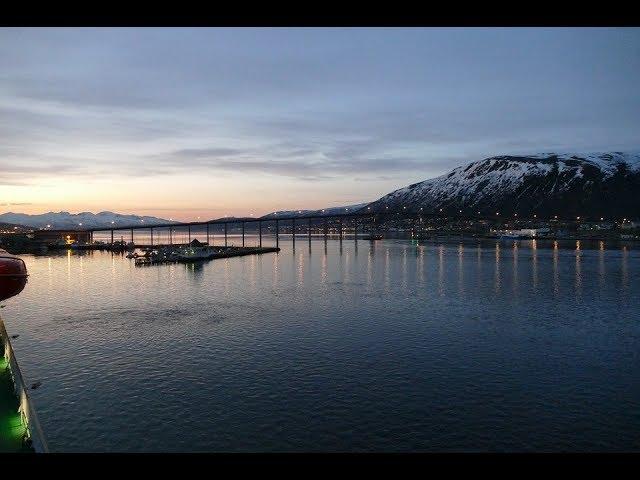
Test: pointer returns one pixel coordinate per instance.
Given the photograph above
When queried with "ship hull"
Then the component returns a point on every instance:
(13, 275)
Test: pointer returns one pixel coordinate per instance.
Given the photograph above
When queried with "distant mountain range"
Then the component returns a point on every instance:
(567, 185)
(564, 184)
(62, 220)
(321, 212)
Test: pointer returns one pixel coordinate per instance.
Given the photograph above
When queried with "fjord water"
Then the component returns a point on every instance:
(391, 346)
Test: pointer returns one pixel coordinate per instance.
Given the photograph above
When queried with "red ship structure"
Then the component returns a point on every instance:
(13, 275)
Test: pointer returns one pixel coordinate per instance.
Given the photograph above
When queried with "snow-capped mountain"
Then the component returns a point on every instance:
(322, 212)
(568, 184)
(61, 220)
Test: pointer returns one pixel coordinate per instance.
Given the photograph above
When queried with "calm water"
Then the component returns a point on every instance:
(392, 347)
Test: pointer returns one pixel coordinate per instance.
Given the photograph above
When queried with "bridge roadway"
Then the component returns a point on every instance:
(375, 215)
(353, 215)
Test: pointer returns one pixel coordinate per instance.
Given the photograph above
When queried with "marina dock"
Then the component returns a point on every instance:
(186, 254)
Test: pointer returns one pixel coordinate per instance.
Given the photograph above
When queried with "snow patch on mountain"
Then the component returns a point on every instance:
(322, 212)
(61, 220)
(573, 182)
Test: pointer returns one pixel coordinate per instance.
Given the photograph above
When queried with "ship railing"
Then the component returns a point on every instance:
(26, 409)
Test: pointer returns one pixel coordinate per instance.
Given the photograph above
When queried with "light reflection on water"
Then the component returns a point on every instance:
(395, 346)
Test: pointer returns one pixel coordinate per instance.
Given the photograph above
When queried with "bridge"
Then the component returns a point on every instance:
(357, 218)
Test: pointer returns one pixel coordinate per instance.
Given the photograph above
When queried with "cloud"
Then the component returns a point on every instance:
(314, 105)
(289, 160)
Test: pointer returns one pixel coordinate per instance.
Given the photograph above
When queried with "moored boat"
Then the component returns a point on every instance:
(196, 253)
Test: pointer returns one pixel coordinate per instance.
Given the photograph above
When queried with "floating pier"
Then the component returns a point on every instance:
(169, 254)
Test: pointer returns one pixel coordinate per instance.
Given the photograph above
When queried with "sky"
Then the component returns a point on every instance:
(195, 122)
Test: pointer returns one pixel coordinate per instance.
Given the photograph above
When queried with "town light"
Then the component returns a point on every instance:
(48, 226)
(601, 218)
(577, 218)
(555, 216)
(80, 224)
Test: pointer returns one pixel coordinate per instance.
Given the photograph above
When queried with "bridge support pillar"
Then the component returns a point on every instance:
(207, 234)
(243, 234)
(225, 234)
(293, 231)
(260, 234)
(151, 230)
(309, 231)
(111, 237)
(170, 235)
(132, 235)
(277, 233)
(340, 228)
(189, 232)
(326, 230)
(355, 229)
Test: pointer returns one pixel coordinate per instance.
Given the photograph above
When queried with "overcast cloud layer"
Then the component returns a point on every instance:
(324, 111)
